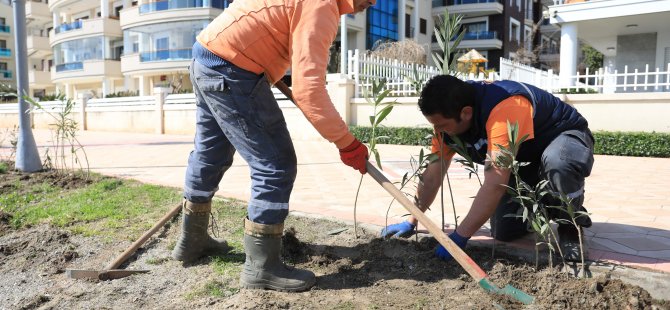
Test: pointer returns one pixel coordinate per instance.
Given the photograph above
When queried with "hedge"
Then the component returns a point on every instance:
(638, 144)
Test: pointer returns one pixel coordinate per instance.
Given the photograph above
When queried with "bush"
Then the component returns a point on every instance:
(638, 144)
(123, 93)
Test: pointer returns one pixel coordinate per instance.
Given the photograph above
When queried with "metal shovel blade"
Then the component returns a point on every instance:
(508, 290)
(101, 274)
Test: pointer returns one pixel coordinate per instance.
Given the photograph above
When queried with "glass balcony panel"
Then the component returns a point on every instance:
(5, 52)
(70, 66)
(4, 28)
(76, 51)
(68, 27)
(182, 4)
(6, 74)
(166, 55)
(152, 40)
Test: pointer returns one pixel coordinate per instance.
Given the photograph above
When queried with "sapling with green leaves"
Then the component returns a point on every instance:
(66, 143)
(380, 110)
(567, 207)
(529, 198)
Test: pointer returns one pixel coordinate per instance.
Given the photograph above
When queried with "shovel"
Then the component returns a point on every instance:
(110, 272)
(463, 259)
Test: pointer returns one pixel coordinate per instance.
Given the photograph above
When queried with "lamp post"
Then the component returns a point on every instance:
(27, 157)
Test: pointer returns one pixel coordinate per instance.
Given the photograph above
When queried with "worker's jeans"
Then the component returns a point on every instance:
(565, 163)
(236, 110)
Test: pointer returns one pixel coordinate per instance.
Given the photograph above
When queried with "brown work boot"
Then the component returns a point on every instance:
(568, 240)
(194, 241)
(263, 268)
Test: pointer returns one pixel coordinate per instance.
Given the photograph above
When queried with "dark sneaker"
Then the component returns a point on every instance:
(568, 240)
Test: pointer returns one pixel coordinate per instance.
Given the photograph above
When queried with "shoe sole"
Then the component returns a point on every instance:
(270, 286)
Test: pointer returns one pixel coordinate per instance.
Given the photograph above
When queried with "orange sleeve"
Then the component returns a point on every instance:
(515, 109)
(313, 30)
(446, 153)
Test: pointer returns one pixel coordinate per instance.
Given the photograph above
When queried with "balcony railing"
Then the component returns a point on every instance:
(166, 55)
(71, 66)
(481, 35)
(5, 52)
(5, 74)
(182, 4)
(4, 28)
(71, 26)
(437, 3)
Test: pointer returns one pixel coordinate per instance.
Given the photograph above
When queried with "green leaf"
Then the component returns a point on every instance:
(383, 113)
(378, 160)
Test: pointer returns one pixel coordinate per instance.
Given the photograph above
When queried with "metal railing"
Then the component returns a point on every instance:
(166, 55)
(481, 35)
(182, 4)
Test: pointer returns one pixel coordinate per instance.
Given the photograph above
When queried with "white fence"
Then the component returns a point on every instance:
(363, 69)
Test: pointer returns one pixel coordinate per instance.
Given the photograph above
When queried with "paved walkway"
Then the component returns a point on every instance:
(629, 198)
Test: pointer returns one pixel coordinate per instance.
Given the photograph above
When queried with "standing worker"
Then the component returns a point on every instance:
(237, 57)
(559, 148)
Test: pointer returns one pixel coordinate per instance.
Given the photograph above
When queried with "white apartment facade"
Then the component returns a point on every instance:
(631, 34)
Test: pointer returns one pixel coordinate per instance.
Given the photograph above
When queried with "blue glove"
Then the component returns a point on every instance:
(443, 254)
(403, 230)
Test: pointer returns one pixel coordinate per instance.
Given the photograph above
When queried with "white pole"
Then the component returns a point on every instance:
(343, 44)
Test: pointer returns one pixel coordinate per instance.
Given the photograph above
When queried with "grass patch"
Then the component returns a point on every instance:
(3, 167)
(213, 288)
(157, 260)
(106, 206)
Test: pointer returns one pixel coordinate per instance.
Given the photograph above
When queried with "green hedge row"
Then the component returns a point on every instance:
(638, 144)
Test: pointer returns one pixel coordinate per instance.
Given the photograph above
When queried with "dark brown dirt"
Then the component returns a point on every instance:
(354, 271)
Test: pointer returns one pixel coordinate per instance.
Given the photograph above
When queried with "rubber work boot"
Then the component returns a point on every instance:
(568, 240)
(194, 241)
(263, 268)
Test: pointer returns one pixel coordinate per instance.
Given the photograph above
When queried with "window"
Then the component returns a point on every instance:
(529, 9)
(528, 38)
(162, 44)
(3, 44)
(408, 26)
(382, 23)
(422, 25)
(518, 5)
(3, 66)
(2, 21)
(514, 30)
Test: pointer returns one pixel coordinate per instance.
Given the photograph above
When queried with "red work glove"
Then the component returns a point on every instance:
(355, 155)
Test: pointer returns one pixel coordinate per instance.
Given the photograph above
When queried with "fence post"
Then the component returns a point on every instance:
(160, 95)
(357, 73)
(83, 99)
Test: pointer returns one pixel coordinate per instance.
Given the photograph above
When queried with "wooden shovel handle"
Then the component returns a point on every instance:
(463, 259)
(137, 244)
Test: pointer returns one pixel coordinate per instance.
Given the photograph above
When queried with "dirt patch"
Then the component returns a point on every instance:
(14, 181)
(354, 271)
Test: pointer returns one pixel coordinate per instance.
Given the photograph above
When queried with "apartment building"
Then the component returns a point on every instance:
(633, 35)
(101, 47)
(7, 50)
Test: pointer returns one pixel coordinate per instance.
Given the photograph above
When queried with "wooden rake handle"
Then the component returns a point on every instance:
(137, 244)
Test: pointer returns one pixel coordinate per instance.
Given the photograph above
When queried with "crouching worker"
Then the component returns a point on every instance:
(559, 148)
(237, 58)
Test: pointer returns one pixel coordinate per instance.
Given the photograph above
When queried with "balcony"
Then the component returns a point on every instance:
(86, 71)
(38, 46)
(468, 8)
(39, 78)
(4, 30)
(5, 52)
(182, 4)
(482, 40)
(156, 62)
(168, 11)
(37, 11)
(5, 75)
(85, 28)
